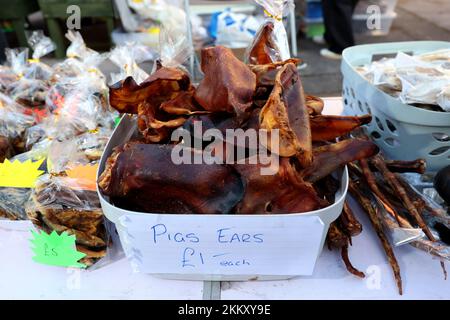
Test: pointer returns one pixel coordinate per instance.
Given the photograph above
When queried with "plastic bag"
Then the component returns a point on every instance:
(271, 43)
(81, 61)
(60, 204)
(14, 199)
(422, 80)
(84, 149)
(17, 59)
(127, 58)
(234, 30)
(174, 47)
(41, 46)
(13, 124)
(168, 13)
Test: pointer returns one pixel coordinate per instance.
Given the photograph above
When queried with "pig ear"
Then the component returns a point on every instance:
(144, 177)
(330, 157)
(285, 110)
(126, 95)
(264, 50)
(229, 84)
(332, 127)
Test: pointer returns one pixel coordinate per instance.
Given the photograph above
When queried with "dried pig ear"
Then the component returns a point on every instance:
(286, 111)
(156, 122)
(282, 192)
(228, 85)
(156, 125)
(126, 95)
(330, 127)
(264, 50)
(314, 104)
(144, 177)
(330, 157)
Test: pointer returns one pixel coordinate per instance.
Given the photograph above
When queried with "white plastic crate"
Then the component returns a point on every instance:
(402, 131)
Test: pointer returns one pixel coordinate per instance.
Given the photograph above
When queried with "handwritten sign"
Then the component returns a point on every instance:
(56, 249)
(222, 245)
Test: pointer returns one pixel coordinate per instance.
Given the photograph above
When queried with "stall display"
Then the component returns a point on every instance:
(58, 121)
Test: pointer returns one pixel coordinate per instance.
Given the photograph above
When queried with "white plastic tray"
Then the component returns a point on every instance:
(327, 215)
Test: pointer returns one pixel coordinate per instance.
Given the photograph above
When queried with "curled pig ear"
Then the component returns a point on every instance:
(228, 85)
(285, 111)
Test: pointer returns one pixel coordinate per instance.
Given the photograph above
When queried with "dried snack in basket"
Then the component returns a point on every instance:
(58, 204)
(228, 85)
(144, 177)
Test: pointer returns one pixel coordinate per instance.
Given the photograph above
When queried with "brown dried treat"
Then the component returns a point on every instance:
(228, 85)
(331, 127)
(314, 104)
(12, 202)
(126, 95)
(336, 238)
(391, 179)
(266, 73)
(282, 192)
(350, 225)
(285, 111)
(330, 157)
(58, 205)
(348, 264)
(371, 182)
(156, 125)
(417, 166)
(145, 178)
(6, 149)
(182, 104)
(264, 49)
(376, 223)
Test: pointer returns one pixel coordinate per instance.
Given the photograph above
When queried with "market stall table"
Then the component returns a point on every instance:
(21, 278)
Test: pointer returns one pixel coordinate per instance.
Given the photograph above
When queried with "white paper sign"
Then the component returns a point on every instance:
(222, 245)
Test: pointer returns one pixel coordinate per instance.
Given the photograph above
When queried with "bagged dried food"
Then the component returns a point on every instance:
(127, 58)
(13, 123)
(60, 204)
(16, 182)
(41, 46)
(270, 43)
(84, 149)
(81, 61)
(421, 80)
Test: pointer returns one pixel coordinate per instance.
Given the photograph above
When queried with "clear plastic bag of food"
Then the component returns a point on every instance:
(13, 123)
(81, 60)
(62, 204)
(7, 77)
(15, 187)
(82, 150)
(271, 43)
(127, 59)
(41, 46)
